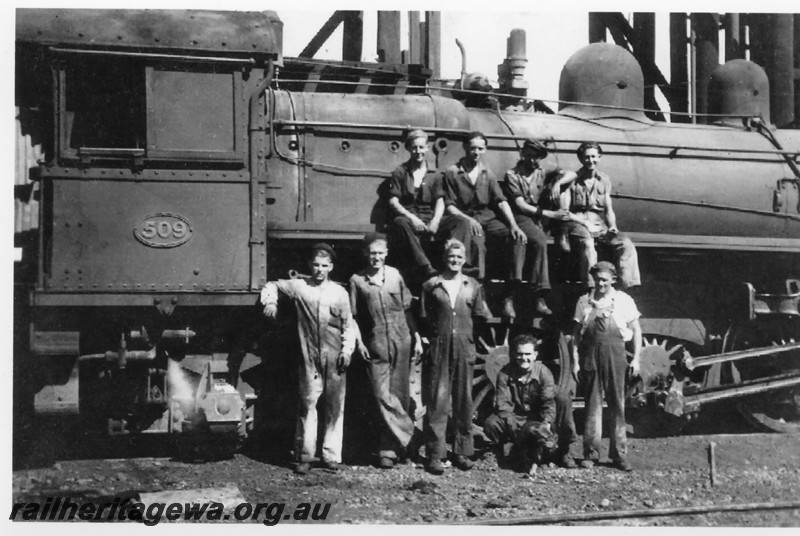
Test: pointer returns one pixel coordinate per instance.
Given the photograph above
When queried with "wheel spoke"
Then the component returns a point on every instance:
(477, 399)
(477, 380)
(673, 350)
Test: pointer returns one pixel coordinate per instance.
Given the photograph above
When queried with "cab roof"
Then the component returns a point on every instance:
(236, 32)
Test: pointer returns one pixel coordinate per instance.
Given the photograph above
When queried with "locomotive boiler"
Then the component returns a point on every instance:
(185, 162)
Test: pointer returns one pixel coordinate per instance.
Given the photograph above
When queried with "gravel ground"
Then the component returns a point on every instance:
(671, 472)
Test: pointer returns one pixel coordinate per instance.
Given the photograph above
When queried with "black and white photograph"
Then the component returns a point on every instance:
(403, 264)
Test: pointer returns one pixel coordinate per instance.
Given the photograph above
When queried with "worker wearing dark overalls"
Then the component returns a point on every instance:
(525, 391)
(448, 304)
(605, 320)
(380, 300)
(524, 395)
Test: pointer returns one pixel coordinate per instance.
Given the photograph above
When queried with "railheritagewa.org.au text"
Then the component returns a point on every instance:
(119, 509)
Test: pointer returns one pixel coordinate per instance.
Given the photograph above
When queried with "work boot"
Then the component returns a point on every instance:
(541, 307)
(330, 465)
(463, 463)
(525, 464)
(507, 451)
(623, 465)
(508, 308)
(508, 302)
(302, 468)
(567, 462)
(435, 467)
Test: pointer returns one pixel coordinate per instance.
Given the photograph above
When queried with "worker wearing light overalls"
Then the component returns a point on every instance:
(605, 319)
(327, 338)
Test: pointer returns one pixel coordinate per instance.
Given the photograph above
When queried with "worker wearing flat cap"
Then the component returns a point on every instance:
(523, 186)
(327, 339)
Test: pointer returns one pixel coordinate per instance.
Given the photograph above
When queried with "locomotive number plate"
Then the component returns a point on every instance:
(163, 230)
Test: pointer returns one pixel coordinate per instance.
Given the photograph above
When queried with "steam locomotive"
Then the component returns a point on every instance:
(175, 161)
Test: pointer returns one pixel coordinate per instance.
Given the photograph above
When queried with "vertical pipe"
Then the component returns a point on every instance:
(389, 36)
(433, 42)
(423, 43)
(413, 38)
(745, 35)
(679, 69)
(353, 38)
(706, 49)
(516, 47)
(597, 28)
(511, 72)
(734, 47)
(772, 42)
(644, 26)
(782, 89)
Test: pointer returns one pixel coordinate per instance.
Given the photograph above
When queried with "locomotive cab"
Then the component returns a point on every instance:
(151, 116)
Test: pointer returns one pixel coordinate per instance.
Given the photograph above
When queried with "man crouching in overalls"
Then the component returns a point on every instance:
(522, 425)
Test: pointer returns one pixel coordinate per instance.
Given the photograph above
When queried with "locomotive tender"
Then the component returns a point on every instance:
(185, 162)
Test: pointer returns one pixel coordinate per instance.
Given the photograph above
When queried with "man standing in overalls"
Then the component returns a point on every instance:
(380, 302)
(605, 319)
(327, 338)
(448, 304)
